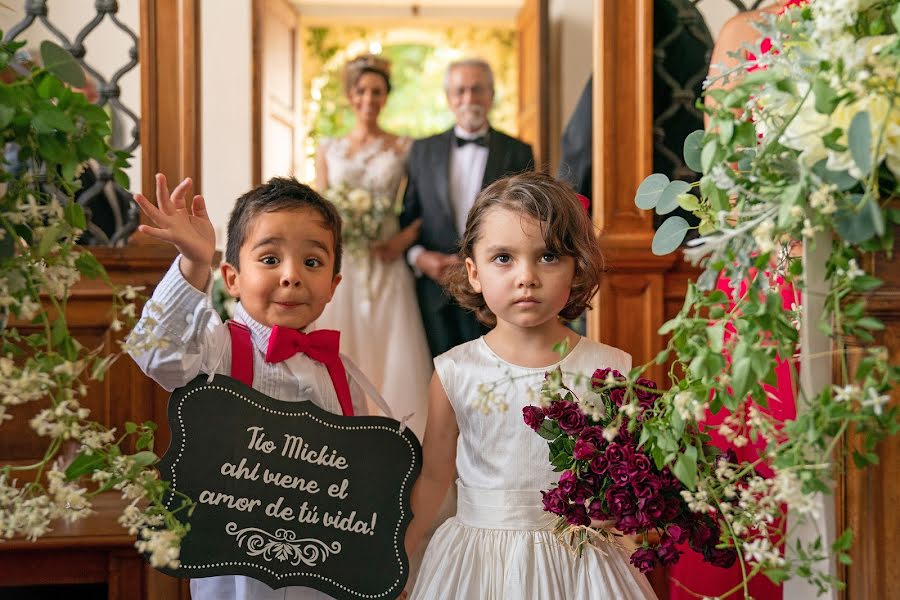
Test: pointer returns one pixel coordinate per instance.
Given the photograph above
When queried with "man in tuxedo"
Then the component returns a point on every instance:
(446, 173)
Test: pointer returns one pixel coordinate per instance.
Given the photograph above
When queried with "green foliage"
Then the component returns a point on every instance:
(823, 170)
(49, 132)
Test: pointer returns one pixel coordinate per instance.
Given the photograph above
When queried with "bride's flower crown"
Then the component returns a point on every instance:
(366, 63)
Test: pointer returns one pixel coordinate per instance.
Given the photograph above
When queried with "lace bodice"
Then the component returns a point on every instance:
(378, 167)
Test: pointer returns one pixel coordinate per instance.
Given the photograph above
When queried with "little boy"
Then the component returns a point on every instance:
(282, 260)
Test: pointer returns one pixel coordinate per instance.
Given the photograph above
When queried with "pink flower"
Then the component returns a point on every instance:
(644, 559)
(581, 494)
(617, 395)
(646, 486)
(594, 435)
(555, 501)
(534, 416)
(720, 557)
(595, 509)
(653, 508)
(577, 515)
(638, 464)
(674, 507)
(645, 397)
(620, 501)
(667, 552)
(677, 533)
(568, 482)
(599, 464)
(556, 409)
(593, 481)
(619, 473)
(598, 379)
(572, 421)
(584, 450)
(615, 453)
(629, 524)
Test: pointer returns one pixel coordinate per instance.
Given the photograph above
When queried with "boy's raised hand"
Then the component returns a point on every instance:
(188, 228)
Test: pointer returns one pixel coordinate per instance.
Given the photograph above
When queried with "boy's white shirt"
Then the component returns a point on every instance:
(198, 341)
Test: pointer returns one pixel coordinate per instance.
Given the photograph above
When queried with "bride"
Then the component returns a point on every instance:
(374, 308)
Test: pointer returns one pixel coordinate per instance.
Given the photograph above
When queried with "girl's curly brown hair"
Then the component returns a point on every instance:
(567, 231)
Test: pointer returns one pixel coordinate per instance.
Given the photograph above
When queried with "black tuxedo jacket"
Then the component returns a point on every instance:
(428, 195)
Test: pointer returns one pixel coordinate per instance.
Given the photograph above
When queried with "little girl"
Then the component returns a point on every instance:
(531, 258)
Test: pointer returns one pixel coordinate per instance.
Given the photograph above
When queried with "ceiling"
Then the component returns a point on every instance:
(427, 9)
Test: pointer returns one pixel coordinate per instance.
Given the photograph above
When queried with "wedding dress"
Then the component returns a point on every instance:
(374, 306)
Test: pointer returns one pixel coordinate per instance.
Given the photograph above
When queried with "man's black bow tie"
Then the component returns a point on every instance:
(479, 141)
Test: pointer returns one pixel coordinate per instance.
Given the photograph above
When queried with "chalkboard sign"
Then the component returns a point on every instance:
(288, 493)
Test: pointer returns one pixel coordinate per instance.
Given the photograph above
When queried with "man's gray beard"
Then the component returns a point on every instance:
(473, 118)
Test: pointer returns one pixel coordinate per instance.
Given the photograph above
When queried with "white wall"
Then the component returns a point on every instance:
(571, 61)
(106, 48)
(225, 96)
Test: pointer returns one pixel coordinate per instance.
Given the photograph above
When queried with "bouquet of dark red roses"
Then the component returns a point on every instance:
(608, 482)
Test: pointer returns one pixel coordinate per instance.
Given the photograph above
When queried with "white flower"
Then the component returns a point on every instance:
(763, 236)
(360, 200)
(809, 230)
(610, 432)
(823, 199)
(853, 270)
(875, 400)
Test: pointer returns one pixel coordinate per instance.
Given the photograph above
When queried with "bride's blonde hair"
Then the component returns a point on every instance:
(366, 63)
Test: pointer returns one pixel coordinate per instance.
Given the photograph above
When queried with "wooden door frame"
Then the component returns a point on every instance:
(170, 91)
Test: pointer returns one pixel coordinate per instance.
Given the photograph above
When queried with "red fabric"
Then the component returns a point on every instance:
(241, 353)
(691, 571)
(585, 202)
(765, 46)
(323, 346)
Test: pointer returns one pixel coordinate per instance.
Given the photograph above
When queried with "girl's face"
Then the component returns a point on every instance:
(368, 97)
(523, 283)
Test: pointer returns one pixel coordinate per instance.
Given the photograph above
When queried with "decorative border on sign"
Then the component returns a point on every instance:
(183, 440)
(282, 545)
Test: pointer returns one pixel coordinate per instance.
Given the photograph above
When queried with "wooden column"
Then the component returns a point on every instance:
(170, 90)
(640, 290)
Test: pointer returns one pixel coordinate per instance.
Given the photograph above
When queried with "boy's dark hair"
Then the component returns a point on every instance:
(279, 193)
(567, 231)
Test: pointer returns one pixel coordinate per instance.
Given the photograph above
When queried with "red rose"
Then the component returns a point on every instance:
(534, 416)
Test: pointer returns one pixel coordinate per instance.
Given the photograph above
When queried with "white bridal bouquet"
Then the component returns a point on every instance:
(363, 214)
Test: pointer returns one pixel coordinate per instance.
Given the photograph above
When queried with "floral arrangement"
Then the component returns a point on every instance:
(609, 481)
(362, 214)
(49, 131)
(802, 149)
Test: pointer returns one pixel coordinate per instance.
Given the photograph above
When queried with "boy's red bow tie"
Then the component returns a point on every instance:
(323, 346)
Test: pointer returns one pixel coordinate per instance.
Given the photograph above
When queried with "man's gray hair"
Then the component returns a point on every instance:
(469, 62)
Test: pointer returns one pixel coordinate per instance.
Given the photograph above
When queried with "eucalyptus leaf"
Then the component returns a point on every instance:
(857, 226)
(842, 179)
(669, 235)
(649, 191)
(668, 200)
(686, 471)
(740, 378)
(726, 132)
(692, 146)
(61, 63)
(708, 155)
(859, 136)
(826, 98)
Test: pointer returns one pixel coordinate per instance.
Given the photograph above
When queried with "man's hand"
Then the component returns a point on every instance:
(435, 264)
(188, 228)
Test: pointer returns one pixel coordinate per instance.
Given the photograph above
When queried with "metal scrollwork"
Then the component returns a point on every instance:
(113, 217)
